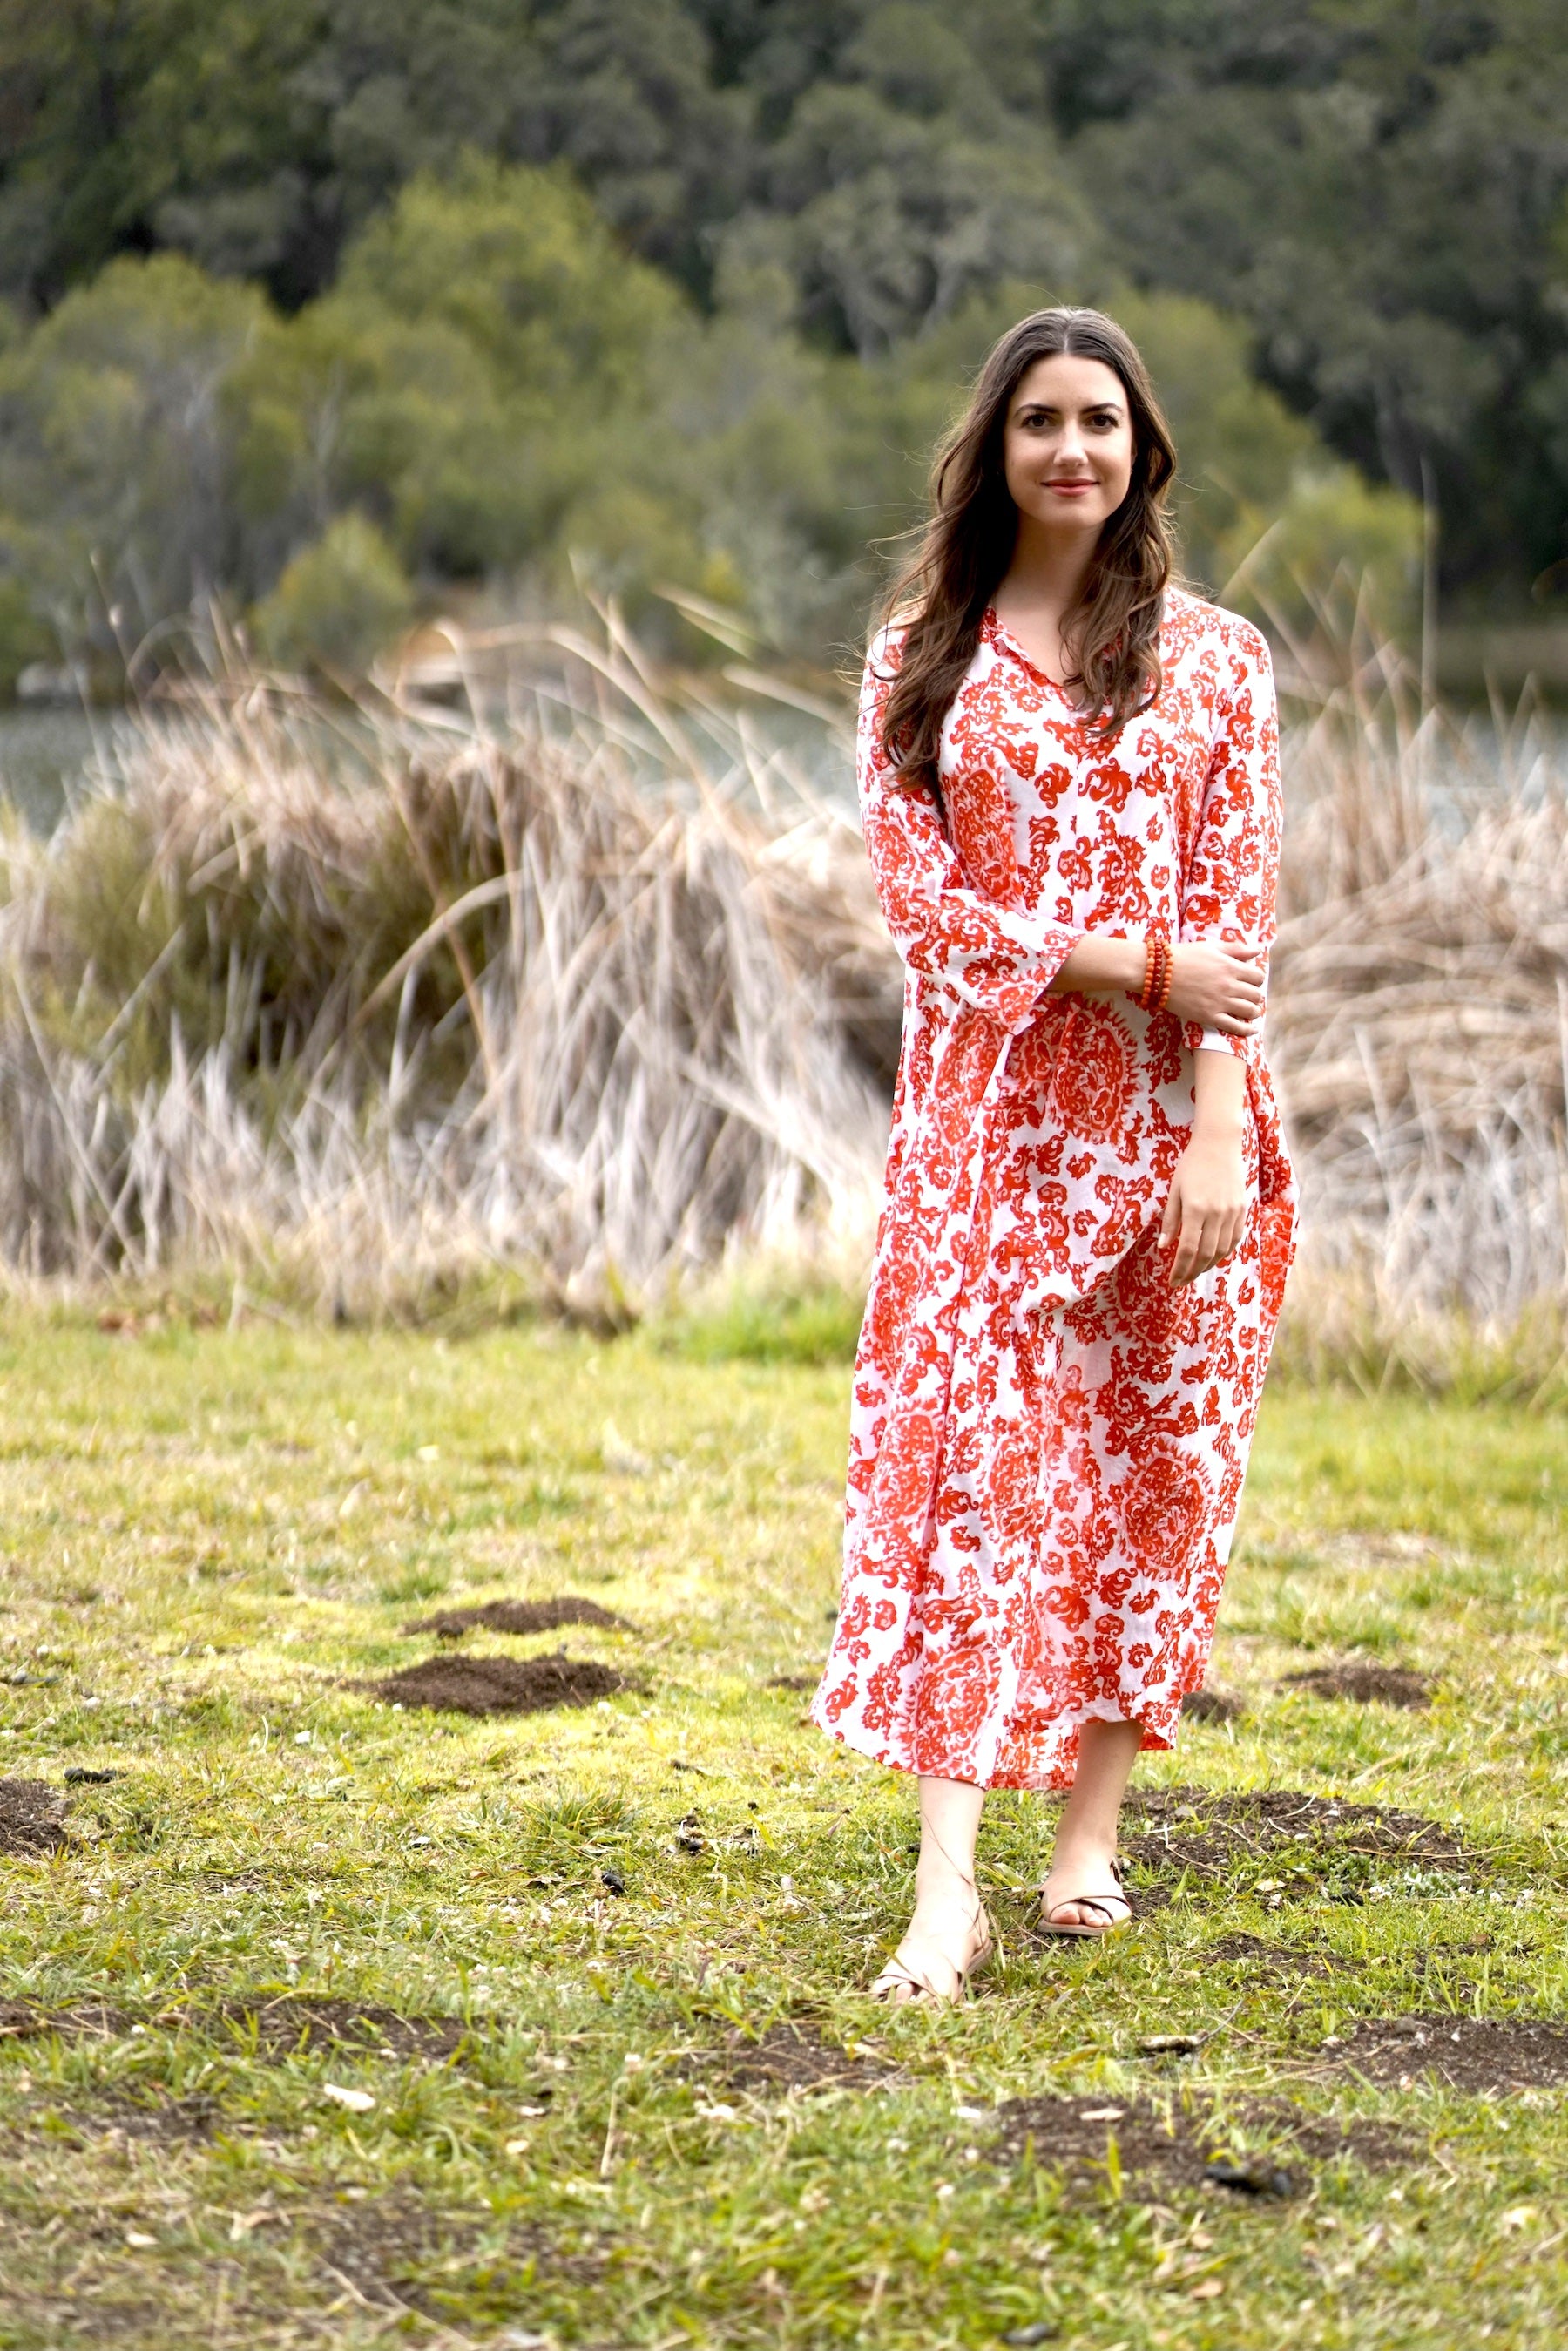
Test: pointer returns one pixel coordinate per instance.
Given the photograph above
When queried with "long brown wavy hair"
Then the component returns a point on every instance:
(941, 596)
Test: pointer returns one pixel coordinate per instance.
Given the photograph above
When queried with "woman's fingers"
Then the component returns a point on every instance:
(1189, 1259)
(1221, 983)
(1206, 1238)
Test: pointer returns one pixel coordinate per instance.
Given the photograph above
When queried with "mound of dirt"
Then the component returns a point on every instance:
(786, 2058)
(1311, 1841)
(1212, 1705)
(1467, 2053)
(1366, 1683)
(499, 1684)
(521, 1616)
(32, 1817)
(290, 2023)
(1074, 2134)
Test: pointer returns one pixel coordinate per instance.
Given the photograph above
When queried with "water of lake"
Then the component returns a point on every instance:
(44, 752)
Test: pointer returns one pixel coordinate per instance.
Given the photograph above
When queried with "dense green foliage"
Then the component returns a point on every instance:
(827, 201)
(497, 390)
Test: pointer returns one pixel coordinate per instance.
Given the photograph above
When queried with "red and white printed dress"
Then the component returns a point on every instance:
(1047, 1442)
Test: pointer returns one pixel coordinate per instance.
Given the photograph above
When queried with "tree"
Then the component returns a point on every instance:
(1373, 184)
(116, 453)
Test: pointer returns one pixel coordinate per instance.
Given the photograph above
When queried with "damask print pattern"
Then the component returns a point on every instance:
(1047, 1443)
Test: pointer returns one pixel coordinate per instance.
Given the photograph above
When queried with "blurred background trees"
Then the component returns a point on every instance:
(673, 295)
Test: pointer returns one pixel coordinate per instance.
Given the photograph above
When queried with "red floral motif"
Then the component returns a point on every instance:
(958, 1690)
(1163, 1504)
(1048, 1445)
(1012, 1489)
(1093, 1077)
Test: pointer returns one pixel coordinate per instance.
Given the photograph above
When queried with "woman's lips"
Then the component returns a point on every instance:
(1069, 489)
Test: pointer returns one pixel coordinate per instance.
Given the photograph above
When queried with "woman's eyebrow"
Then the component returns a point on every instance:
(1053, 408)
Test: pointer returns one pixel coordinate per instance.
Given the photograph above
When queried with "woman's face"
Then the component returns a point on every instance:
(1067, 446)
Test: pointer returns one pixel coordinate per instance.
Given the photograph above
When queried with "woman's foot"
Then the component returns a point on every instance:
(1083, 1894)
(947, 1941)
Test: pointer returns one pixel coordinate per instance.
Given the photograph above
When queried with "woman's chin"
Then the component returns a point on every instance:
(1068, 514)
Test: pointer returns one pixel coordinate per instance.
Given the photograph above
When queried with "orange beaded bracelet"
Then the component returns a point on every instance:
(1155, 987)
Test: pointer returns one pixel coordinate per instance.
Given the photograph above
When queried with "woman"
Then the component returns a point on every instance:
(1069, 786)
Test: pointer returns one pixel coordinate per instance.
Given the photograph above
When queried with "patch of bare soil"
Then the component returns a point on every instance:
(499, 1684)
(1398, 1547)
(521, 1616)
(288, 2024)
(1213, 1705)
(32, 1817)
(800, 1683)
(1311, 1844)
(379, 2247)
(1185, 2150)
(1366, 1683)
(392, 2250)
(1285, 1960)
(21, 2021)
(120, 2118)
(1467, 2053)
(786, 2057)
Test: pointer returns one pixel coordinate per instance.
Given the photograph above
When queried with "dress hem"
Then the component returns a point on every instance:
(1055, 1780)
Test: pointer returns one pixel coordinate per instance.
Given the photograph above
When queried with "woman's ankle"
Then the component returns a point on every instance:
(939, 1884)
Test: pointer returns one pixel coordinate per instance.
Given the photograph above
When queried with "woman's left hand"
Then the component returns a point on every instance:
(1207, 1208)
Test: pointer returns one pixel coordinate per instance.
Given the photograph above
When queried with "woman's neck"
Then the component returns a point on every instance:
(1040, 587)
(1048, 568)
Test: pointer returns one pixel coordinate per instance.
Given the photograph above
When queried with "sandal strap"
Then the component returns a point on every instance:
(1100, 1902)
(895, 1972)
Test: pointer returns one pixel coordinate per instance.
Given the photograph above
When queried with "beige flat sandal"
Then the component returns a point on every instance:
(896, 1976)
(1103, 1903)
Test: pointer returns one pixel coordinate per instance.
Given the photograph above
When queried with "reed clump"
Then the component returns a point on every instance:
(1418, 1030)
(375, 1008)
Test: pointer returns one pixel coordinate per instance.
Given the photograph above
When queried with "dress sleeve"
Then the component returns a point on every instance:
(992, 957)
(1230, 885)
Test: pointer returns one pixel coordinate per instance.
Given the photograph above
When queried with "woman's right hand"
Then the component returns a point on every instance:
(1218, 985)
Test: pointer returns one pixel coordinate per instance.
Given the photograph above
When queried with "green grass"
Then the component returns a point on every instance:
(211, 1538)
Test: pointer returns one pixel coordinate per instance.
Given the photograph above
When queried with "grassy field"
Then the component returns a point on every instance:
(332, 2025)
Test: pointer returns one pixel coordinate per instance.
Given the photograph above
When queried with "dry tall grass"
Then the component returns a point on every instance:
(1418, 1025)
(601, 995)
(552, 998)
